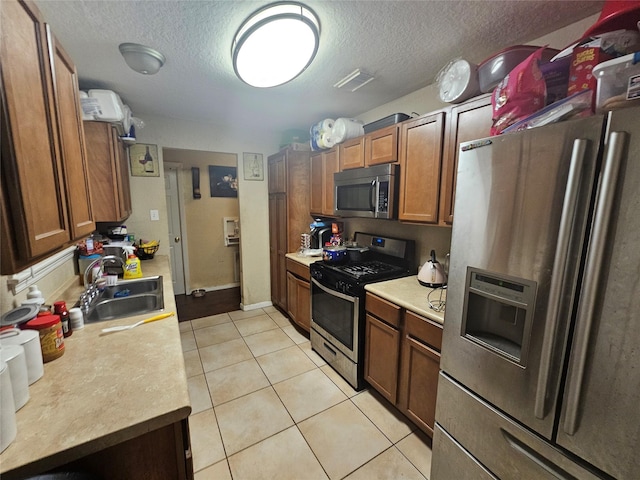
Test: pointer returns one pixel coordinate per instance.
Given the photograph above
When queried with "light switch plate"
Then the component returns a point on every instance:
(155, 215)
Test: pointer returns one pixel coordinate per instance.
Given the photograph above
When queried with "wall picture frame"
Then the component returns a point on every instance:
(143, 158)
(253, 166)
(223, 181)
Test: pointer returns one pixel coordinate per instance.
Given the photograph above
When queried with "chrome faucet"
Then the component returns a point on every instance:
(91, 288)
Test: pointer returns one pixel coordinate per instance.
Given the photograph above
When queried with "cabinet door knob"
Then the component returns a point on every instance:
(177, 239)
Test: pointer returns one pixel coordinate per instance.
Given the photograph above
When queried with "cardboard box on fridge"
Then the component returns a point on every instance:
(583, 59)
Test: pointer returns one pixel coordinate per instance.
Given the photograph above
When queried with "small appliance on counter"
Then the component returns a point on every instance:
(320, 231)
(432, 274)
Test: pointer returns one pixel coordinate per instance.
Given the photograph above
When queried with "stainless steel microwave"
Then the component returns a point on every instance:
(370, 192)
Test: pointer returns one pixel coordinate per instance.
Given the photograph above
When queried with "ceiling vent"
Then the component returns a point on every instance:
(354, 80)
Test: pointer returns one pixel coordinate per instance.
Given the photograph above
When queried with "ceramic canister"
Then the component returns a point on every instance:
(8, 427)
(14, 356)
(30, 340)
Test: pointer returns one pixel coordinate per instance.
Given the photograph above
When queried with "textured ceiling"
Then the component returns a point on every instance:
(402, 43)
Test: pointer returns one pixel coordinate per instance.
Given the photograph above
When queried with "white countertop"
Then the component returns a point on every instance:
(104, 390)
(408, 293)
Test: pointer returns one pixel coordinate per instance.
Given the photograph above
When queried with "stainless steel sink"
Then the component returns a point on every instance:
(127, 298)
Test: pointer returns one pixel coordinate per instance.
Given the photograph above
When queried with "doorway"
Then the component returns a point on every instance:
(177, 243)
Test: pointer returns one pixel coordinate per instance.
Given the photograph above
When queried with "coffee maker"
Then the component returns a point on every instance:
(320, 231)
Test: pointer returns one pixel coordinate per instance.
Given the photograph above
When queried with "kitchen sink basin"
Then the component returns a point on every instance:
(127, 298)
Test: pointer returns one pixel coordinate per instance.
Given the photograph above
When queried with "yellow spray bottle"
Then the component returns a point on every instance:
(132, 267)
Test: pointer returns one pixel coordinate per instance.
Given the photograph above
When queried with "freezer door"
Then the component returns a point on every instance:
(601, 411)
(521, 205)
(490, 445)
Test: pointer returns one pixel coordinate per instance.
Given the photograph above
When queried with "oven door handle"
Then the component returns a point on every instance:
(335, 293)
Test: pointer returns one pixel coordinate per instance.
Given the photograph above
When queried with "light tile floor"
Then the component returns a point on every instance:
(265, 406)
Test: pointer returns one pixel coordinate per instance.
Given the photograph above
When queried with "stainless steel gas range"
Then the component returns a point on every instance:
(337, 300)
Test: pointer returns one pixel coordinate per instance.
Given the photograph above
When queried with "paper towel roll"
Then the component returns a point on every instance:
(8, 427)
(13, 356)
(326, 140)
(326, 125)
(346, 128)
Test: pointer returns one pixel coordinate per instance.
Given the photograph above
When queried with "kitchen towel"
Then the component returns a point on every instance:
(317, 130)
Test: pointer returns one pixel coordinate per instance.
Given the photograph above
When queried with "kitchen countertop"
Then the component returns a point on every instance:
(304, 260)
(104, 390)
(408, 293)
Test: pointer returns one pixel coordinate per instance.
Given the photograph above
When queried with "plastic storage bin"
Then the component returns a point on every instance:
(618, 83)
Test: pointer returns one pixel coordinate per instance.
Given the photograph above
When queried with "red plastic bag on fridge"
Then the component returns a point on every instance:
(522, 92)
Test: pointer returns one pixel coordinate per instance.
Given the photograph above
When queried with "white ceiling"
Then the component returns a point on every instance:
(402, 43)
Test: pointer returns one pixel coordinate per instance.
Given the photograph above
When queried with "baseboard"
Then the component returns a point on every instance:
(221, 287)
(255, 306)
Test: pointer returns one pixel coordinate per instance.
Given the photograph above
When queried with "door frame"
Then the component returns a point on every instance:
(177, 168)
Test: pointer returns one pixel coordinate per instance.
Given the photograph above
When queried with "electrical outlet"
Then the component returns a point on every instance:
(155, 215)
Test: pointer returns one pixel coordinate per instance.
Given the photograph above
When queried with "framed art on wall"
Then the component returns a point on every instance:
(253, 166)
(223, 181)
(143, 158)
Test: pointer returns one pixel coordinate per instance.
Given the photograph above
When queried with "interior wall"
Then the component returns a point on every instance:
(211, 264)
(253, 207)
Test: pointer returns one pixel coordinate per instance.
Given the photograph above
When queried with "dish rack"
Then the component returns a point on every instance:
(146, 252)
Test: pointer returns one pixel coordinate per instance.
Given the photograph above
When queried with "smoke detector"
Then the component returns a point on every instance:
(354, 80)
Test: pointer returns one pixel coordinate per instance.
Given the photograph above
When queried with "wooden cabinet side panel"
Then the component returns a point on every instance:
(273, 246)
(298, 218)
(316, 198)
(33, 174)
(292, 297)
(303, 313)
(420, 159)
(331, 165)
(122, 176)
(467, 122)
(382, 146)
(72, 141)
(382, 352)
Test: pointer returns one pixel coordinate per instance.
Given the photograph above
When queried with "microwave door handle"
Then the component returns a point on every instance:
(373, 193)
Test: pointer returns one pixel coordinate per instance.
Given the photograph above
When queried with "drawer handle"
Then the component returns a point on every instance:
(535, 457)
(331, 350)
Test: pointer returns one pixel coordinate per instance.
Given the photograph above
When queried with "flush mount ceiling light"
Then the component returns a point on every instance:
(275, 44)
(142, 59)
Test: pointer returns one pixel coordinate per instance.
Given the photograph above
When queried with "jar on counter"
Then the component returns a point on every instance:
(60, 308)
(49, 328)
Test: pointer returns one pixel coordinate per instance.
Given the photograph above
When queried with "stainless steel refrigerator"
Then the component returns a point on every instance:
(540, 370)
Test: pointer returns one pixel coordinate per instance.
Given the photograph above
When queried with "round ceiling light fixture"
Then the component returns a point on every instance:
(142, 59)
(275, 44)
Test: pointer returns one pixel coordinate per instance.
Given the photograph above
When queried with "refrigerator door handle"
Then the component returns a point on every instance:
(558, 274)
(595, 256)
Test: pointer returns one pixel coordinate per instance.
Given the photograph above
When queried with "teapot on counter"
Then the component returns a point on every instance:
(432, 274)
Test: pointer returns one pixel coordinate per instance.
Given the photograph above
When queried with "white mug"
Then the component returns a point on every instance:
(13, 355)
(30, 340)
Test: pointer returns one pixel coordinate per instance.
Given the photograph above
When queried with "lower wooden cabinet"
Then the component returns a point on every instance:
(382, 357)
(402, 359)
(299, 294)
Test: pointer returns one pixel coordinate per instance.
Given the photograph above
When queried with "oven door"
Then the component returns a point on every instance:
(335, 316)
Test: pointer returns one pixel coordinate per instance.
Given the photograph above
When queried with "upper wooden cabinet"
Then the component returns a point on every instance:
(109, 172)
(277, 173)
(72, 141)
(323, 166)
(375, 148)
(352, 153)
(421, 143)
(43, 159)
(381, 146)
(467, 121)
